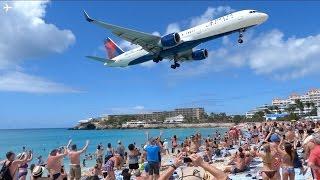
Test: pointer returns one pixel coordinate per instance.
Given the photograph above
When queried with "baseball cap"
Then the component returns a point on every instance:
(274, 138)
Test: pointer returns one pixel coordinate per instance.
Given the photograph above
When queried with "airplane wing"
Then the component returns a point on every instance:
(182, 56)
(147, 41)
(104, 60)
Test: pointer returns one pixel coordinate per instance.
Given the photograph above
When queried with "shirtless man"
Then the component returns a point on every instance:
(15, 163)
(74, 155)
(239, 161)
(54, 163)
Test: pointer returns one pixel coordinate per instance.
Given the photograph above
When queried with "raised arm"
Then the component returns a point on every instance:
(217, 173)
(147, 135)
(21, 161)
(69, 143)
(30, 157)
(177, 162)
(268, 136)
(279, 147)
(65, 152)
(85, 147)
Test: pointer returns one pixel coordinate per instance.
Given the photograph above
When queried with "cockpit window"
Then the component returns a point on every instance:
(252, 11)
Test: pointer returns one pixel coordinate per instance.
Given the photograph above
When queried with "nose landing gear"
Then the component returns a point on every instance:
(240, 40)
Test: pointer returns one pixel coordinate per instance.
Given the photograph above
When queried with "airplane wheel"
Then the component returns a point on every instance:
(240, 41)
(173, 66)
(156, 60)
(177, 65)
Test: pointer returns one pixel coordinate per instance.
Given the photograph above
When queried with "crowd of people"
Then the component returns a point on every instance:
(282, 147)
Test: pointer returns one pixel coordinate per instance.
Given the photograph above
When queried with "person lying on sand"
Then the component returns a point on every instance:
(239, 165)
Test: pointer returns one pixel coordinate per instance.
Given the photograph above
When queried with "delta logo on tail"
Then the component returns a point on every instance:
(112, 48)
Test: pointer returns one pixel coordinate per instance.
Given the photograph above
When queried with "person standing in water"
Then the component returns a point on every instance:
(74, 155)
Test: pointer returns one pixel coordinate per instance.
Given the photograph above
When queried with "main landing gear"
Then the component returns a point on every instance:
(240, 40)
(158, 59)
(175, 65)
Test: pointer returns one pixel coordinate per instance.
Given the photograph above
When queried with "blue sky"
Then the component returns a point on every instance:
(45, 80)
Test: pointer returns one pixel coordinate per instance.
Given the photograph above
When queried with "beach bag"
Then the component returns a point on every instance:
(5, 172)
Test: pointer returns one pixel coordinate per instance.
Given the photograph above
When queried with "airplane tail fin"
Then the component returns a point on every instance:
(112, 48)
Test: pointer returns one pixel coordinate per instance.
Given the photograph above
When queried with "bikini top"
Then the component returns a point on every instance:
(25, 166)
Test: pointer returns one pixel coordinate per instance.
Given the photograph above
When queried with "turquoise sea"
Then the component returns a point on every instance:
(42, 141)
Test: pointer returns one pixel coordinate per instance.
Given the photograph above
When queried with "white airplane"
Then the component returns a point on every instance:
(176, 46)
(6, 7)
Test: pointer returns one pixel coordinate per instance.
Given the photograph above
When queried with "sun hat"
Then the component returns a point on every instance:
(37, 171)
(119, 142)
(20, 155)
(145, 146)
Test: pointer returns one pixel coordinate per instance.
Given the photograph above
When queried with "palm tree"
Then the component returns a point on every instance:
(308, 104)
(300, 105)
(291, 108)
(267, 111)
(312, 104)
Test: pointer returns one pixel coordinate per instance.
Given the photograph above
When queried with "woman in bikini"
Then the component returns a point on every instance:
(109, 166)
(23, 168)
(267, 170)
(287, 165)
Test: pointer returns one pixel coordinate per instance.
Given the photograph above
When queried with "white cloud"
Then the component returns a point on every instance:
(127, 110)
(26, 36)
(21, 82)
(126, 45)
(173, 27)
(210, 14)
(269, 53)
(156, 33)
(138, 107)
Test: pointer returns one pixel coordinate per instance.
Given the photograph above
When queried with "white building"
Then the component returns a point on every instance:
(83, 121)
(312, 96)
(134, 124)
(250, 113)
(172, 120)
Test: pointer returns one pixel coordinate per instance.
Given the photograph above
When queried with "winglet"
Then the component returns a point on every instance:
(87, 16)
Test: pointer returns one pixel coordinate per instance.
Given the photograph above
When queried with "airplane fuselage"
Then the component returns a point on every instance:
(190, 38)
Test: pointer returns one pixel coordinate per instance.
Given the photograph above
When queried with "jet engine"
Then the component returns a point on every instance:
(200, 54)
(170, 40)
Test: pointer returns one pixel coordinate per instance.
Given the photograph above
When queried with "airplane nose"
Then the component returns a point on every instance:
(264, 17)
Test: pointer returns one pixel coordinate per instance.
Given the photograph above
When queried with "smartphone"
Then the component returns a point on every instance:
(187, 160)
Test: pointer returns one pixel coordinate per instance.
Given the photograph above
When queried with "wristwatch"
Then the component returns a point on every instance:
(173, 166)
